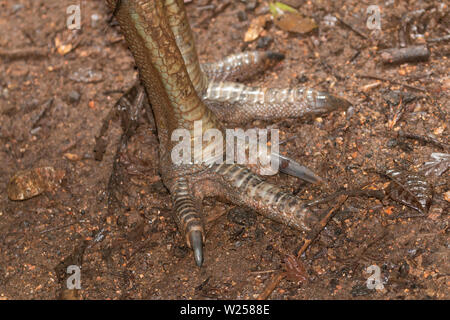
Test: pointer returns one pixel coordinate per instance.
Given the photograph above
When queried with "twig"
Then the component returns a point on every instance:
(24, 53)
(61, 227)
(440, 39)
(313, 235)
(271, 286)
(407, 54)
(358, 192)
(424, 139)
(367, 76)
(215, 13)
(264, 272)
(397, 114)
(359, 33)
(319, 227)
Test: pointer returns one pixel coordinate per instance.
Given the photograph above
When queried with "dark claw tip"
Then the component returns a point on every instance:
(197, 246)
(275, 55)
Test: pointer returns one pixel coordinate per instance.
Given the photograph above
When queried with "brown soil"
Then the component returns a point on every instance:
(131, 249)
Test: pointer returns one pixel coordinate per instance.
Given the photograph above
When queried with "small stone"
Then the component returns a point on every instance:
(180, 251)
(34, 131)
(95, 18)
(242, 16)
(74, 96)
(251, 5)
(17, 7)
(241, 217)
(264, 42)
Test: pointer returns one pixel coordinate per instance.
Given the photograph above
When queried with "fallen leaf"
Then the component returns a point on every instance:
(289, 19)
(256, 27)
(410, 189)
(26, 184)
(295, 271)
(438, 164)
(447, 196)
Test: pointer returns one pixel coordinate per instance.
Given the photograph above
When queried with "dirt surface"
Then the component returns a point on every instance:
(130, 248)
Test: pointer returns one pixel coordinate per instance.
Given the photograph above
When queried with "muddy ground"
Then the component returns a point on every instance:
(121, 230)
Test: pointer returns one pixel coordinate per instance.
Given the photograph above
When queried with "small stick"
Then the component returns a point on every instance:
(61, 227)
(359, 33)
(271, 286)
(215, 13)
(407, 54)
(314, 233)
(321, 225)
(367, 76)
(440, 39)
(397, 115)
(424, 139)
(24, 53)
(265, 271)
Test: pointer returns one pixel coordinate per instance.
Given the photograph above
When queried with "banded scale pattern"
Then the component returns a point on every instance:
(241, 66)
(187, 216)
(265, 198)
(244, 103)
(161, 41)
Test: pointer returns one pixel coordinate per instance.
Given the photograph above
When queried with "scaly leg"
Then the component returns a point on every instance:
(176, 105)
(237, 103)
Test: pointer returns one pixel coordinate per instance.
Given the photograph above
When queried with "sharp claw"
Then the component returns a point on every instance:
(293, 168)
(197, 245)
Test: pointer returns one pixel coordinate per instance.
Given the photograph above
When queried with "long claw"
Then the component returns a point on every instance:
(197, 246)
(289, 166)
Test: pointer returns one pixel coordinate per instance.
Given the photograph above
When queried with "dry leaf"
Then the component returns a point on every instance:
(256, 27)
(289, 19)
(447, 196)
(295, 22)
(62, 48)
(30, 183)
(438, 164)
(295, 271)
(410, 189)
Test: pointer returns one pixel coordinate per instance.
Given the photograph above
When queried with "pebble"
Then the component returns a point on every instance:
(264, 42)
(86, 75)
(17, 7)
(74, 96)
(251, 5)
(242, 16)
(241, 217)
(95, 18)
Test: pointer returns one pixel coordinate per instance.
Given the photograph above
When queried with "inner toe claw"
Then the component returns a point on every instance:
(293, 168)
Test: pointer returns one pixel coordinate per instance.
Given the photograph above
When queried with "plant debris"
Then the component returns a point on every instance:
(408, 54)
(438, 164)
(30, 183)
(410, 189)
(289, 19)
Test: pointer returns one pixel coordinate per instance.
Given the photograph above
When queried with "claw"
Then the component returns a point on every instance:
(293, 168)
(197, 246)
